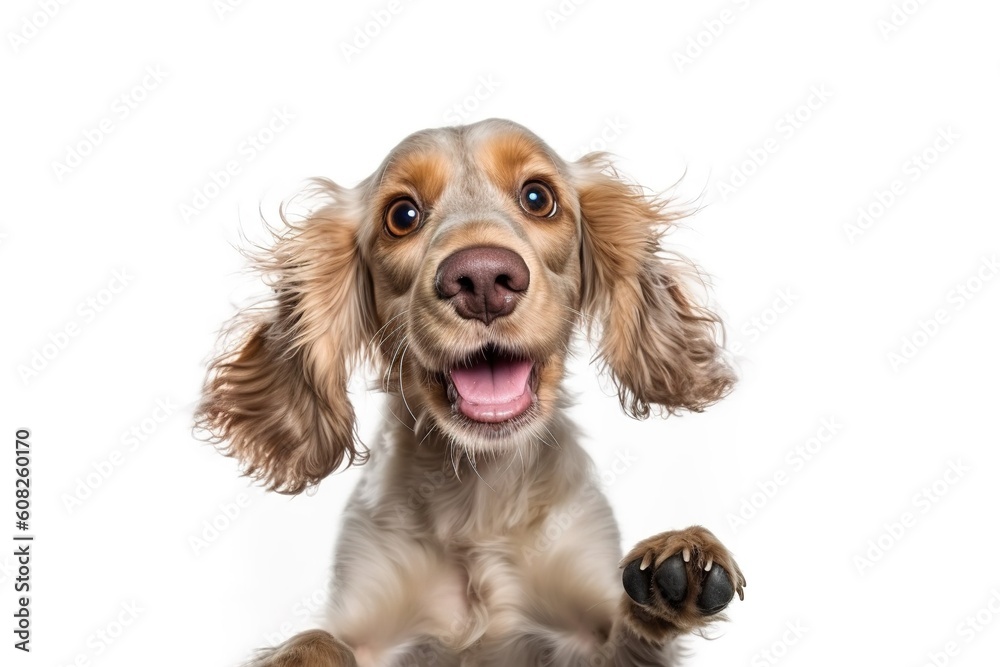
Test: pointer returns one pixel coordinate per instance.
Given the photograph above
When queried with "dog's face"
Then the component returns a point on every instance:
(473, 243)
(460, 268)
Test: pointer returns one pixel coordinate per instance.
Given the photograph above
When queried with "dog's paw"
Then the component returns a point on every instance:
(679, 581)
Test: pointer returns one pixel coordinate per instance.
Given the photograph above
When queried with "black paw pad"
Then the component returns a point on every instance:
(672, 579)
(638, 583)
(716, 592)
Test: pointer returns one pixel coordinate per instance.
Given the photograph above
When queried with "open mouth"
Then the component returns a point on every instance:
(492, 386)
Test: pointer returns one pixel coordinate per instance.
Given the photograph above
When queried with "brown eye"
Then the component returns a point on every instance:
(537, 199)
(402, 217)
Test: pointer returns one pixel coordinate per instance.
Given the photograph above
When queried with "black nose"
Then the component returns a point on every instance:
(483, 283)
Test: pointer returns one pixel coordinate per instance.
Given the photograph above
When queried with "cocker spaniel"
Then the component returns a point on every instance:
(478, 534)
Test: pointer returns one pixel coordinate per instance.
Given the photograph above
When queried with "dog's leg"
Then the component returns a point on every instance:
(318, 648)
(675, 583)
(313, 648)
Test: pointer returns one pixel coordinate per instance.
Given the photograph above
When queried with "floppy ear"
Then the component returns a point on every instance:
(278, 400)
(657, 342)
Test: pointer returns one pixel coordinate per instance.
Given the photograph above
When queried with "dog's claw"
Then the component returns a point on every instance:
(686, 578)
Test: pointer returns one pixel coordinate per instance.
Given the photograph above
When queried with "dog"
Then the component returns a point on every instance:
(478, 534)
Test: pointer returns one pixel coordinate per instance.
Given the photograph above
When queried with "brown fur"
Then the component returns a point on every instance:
(466, 544)
(660, 347)
(278, 400)
(314, 648)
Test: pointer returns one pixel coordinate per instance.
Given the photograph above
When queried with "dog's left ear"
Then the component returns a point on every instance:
(659, 345)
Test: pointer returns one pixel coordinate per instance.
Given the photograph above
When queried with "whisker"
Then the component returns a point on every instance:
(588, 318)
(383, 327)
(393, 413)
(388, 370)
(392, 333)
(430, 429)
(401, 391)
(555, 440)
(476, 470)
(511, 462)
(456, 457)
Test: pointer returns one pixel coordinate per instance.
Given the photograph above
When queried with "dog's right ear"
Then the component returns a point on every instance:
(277, 400)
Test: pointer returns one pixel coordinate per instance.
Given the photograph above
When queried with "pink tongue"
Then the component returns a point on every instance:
(493, 390)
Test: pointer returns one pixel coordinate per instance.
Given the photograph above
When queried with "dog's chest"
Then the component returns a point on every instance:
(481, 592)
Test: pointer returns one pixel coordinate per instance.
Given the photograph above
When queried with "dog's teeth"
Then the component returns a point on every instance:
(708, 565)
(646, 560)
(687, 555)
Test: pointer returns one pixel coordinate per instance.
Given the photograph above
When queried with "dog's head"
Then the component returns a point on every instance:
(460, 269)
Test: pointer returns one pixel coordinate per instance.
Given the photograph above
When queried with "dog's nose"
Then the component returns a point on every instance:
(482, 283)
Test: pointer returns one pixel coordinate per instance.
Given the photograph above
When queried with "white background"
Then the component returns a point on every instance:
(601, 74)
